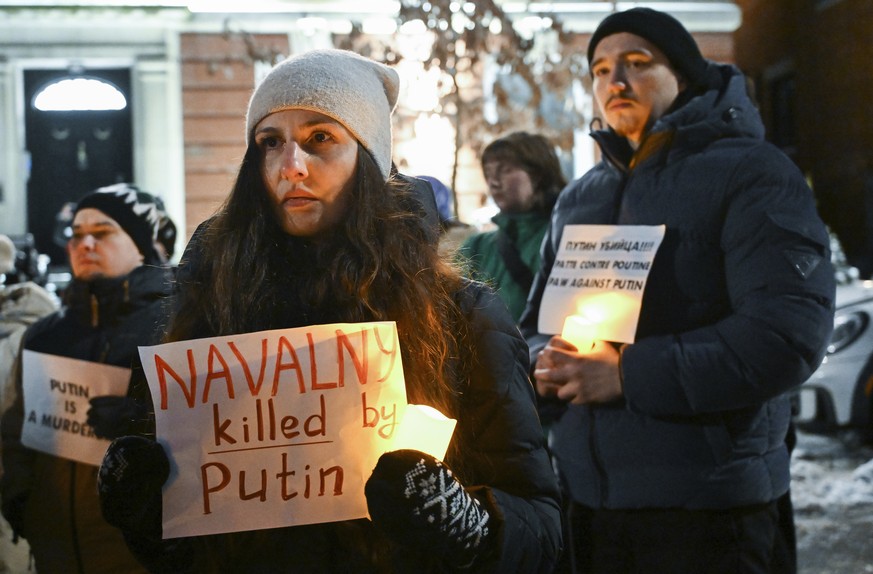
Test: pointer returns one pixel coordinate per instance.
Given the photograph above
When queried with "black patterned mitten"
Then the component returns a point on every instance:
(417, 501)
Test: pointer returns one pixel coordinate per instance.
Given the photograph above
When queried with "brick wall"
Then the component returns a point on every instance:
(217, 80)
(825, 46)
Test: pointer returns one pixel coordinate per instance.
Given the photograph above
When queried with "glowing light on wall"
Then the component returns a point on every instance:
(379, 26)
(420, 99)
(79, 94)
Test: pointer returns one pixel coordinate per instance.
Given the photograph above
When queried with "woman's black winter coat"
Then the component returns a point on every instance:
(501, 448)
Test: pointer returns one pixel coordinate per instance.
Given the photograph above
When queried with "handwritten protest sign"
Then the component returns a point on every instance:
(56, 394)
(275, 428)
(600, 273)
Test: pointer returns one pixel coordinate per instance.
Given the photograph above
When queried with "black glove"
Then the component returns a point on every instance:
(417, 501)
(172, 556)
(129, 482)
(13, 512)
(113, 416)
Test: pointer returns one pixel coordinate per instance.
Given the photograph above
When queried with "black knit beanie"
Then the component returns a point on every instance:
(134, 210)
(662, 30)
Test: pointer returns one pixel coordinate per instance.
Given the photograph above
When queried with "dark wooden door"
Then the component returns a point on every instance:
(72, 153)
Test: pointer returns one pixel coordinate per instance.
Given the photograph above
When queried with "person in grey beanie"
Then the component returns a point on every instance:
(113, 304)
(671, 448)
(320, 229)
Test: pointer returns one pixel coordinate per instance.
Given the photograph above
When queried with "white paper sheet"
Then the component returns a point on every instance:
(275, 428)
(600, 272)
(56, 394)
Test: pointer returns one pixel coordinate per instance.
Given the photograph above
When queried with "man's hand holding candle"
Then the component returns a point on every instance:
(579, 377)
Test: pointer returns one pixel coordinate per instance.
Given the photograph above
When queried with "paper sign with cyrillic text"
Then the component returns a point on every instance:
(600, 273)
(275, 428)
(56, 394)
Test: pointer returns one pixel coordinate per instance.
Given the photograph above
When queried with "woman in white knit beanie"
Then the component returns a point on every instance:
(317, 230)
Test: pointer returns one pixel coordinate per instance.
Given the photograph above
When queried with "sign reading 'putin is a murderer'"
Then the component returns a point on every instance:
(57, 391)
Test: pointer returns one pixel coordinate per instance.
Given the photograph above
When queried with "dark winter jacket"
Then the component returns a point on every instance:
(500, 441)
(53, 502)
(737, 310)
(525, 232)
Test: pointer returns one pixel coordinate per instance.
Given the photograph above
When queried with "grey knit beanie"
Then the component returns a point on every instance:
(357, 92)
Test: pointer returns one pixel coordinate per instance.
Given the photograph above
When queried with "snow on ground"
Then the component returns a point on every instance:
(832, 492)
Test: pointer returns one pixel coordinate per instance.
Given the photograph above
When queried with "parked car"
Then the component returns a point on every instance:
(839, 395)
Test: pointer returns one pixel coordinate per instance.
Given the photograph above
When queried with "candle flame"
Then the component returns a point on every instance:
(425, 429)
(580, 332)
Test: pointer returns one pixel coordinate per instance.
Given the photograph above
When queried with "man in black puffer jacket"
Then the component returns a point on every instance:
(672, 449)
(113, 304)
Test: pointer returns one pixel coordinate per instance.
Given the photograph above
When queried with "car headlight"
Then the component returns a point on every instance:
(847, 328)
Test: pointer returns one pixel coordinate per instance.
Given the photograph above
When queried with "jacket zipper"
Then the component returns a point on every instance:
(95, 311)
(73, 526)
(603, 483)
(627, 171)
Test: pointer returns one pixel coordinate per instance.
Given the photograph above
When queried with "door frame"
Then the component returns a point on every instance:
(157, 139)
(57, 175)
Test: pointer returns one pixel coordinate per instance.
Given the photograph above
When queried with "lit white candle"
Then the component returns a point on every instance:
(424, 428)
(580, 332)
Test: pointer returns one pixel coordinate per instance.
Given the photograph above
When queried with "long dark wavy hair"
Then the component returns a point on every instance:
(243, 273)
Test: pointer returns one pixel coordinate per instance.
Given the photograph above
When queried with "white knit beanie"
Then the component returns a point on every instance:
(357, 92)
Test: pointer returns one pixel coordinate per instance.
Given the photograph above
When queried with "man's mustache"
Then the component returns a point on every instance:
(625, 96)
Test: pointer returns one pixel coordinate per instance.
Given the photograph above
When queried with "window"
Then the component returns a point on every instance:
(77, 94)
